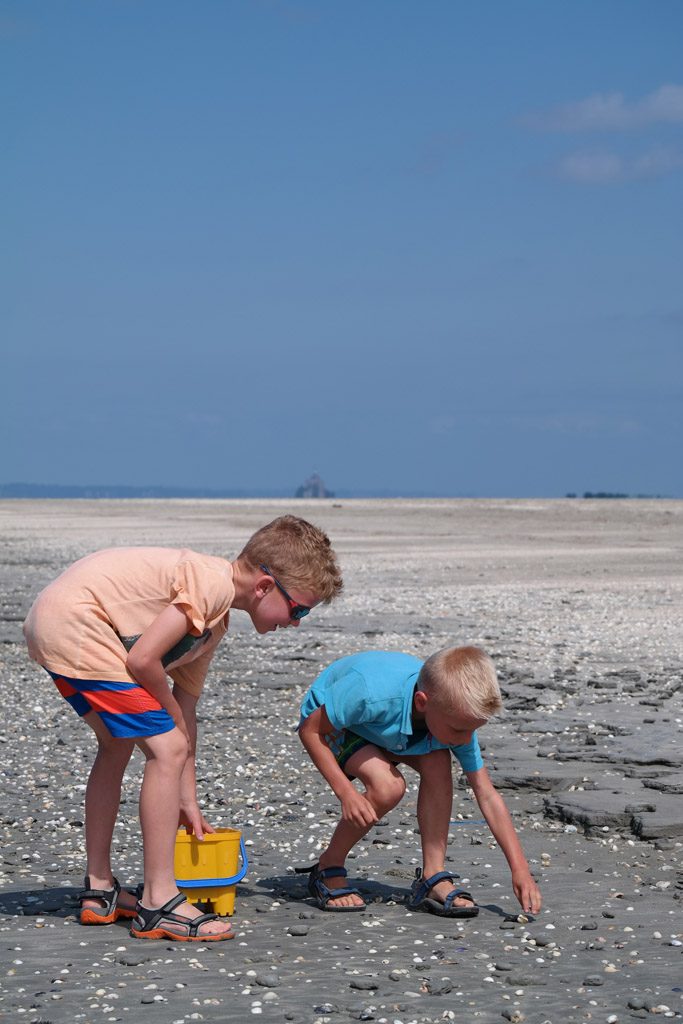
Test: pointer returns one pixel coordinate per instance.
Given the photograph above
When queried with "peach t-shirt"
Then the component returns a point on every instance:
(76, 624)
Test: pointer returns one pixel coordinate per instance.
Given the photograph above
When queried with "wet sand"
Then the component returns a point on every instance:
(579, 602)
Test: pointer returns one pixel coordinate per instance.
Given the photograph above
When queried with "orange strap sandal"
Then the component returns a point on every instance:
(154, 924)
(107, 914)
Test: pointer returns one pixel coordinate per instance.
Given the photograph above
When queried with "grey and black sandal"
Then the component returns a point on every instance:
(110, 911)
(162, 923)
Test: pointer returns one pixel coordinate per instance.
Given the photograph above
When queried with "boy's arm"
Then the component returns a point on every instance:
(190, 814)
(499, 821)
(355, 807)
(144, 659)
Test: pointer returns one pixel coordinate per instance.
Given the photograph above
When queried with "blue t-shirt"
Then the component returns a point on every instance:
(372, 695)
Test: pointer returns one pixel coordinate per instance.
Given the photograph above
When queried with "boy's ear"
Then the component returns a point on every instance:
(263, 584)
(421, 700)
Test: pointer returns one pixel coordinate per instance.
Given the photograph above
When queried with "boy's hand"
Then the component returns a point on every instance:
(358, 810)
(192, 819)
(526, 891)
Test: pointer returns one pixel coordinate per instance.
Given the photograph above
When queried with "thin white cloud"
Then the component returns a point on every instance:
(580, 423)
(592, 168)
(612, 112)
(658, 162)
(607, 168)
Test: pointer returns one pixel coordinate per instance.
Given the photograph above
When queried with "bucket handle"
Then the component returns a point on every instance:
(204, 883)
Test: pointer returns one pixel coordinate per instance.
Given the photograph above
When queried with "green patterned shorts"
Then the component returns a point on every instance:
(345, 746)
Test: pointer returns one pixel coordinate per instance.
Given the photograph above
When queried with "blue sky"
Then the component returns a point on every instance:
(419, 247)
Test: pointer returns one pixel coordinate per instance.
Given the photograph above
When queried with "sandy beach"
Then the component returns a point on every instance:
(579, 602)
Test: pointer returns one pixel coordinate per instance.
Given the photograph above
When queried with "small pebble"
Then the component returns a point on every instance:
(267, 980)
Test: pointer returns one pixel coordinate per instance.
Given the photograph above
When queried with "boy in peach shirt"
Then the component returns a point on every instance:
(110, 630)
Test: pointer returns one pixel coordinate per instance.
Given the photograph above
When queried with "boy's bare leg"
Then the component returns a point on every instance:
(102, 799)
(384, 788)
(166, 755)
(434, 807)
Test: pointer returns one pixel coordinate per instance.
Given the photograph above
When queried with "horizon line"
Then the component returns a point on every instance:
(137, 492)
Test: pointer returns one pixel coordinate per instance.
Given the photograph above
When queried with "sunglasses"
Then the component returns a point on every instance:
(296, 611)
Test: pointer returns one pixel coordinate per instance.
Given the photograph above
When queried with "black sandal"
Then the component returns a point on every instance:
(421, 900)
(322, 894)
(150, 924)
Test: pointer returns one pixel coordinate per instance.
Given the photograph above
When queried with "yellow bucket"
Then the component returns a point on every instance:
(206, 872)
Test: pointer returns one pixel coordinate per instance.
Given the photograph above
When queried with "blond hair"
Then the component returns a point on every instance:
(298, 554)
(462, 678)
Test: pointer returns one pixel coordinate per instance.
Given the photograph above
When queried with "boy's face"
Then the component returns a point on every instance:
(451, 727)
(271, 610)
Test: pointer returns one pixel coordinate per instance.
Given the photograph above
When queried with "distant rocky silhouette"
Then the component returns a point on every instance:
(313, 488)
(611, 494)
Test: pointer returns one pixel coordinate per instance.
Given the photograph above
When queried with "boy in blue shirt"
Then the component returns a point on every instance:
(366, 714)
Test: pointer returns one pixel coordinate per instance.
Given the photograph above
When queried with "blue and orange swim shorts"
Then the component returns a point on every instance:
(127, 709)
